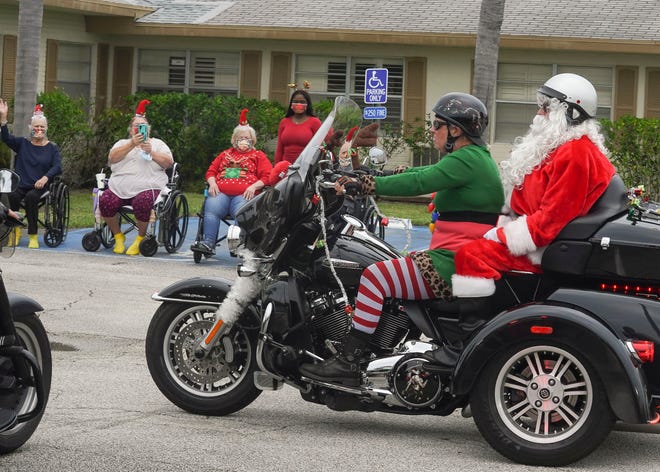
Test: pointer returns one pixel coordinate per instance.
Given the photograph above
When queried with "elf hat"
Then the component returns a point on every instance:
(38, 109)
(141, 109)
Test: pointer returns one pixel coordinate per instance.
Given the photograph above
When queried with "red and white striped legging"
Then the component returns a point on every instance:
(396, 278)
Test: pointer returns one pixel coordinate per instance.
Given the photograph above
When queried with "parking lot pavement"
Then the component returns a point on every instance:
(399, 234)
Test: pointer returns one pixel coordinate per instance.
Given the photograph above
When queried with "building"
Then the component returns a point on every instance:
(107, 49)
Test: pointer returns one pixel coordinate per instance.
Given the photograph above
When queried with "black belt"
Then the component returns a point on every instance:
(470, 216)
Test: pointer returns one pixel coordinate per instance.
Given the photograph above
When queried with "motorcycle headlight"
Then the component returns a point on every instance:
(235, 238)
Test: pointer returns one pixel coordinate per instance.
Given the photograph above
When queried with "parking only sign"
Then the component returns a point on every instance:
(375, 85)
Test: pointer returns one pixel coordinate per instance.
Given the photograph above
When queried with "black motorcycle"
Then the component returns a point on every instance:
(559, 358)
(25, 357)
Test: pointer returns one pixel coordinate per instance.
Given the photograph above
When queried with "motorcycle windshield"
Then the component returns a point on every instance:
(267, 217)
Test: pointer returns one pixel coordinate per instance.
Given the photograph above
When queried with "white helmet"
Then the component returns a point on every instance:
(576, 91)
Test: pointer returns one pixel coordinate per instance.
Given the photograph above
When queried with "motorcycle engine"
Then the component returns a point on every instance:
(329, 318)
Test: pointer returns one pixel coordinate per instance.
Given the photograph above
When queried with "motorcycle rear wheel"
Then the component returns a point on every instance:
(34, 338)
(541, 404)
(209, 386)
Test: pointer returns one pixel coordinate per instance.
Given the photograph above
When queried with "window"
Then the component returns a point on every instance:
(212, 73)
(516, 94)
(333, 76)
(74, 69)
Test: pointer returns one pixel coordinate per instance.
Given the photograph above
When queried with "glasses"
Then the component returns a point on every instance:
(543, 102)
(437, 124)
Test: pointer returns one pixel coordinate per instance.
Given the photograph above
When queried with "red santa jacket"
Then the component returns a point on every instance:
(565, 186)
(235, 170)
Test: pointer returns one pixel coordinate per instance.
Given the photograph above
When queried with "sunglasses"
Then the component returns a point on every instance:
(437, 124)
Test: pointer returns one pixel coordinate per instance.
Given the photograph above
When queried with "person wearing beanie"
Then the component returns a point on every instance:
(236, 175)
(138, 166)
(297, 127)
(37, 162)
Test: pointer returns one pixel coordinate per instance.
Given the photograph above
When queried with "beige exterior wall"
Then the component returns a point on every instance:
(448, 68)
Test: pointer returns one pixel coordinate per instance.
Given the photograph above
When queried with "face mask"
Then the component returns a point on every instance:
(243, 144)
(299, 107)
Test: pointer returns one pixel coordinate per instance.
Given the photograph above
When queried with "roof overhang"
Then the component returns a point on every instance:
(126, 26)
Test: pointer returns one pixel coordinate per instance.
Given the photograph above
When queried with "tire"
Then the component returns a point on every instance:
(33, 337)
(510, 394)
(107, 238)
(148, 246)
(208, 387)
(91, 241)
(176, 221)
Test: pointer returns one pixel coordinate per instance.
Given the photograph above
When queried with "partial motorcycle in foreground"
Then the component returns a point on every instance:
(25, 357)
(547, 372)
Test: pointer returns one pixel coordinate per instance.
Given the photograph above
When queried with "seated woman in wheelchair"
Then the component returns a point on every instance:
(37, 162)
(236, 175)
(138, 167)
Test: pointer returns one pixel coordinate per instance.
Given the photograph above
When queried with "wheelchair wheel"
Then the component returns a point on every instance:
(148, 246)
(91, 241)
(175, 222)
(57, 215)
(107, 238)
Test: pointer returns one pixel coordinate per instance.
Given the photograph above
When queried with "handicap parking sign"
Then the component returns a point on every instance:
(375, 85)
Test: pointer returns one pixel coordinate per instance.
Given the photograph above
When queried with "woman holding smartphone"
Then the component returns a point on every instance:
(138, 167)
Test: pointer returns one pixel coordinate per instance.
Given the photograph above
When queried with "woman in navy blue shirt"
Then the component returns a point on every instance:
(37, 162)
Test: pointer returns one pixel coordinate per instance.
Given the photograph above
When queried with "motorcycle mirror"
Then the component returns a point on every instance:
(8, 181)
(377, 156)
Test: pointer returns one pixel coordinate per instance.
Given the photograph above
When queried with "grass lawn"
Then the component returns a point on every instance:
(82, 215)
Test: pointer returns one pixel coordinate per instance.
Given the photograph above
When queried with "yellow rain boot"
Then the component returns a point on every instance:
(120, 239)
(34, 241)
(134, 249)
(16, 237)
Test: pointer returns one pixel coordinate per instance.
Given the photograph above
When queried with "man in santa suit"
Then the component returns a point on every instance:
(555, 173)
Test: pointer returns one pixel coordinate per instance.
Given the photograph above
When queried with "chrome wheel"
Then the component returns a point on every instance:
(543, 394)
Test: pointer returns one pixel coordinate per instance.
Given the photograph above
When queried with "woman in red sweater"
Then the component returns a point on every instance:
(236, 175)
(296, 128)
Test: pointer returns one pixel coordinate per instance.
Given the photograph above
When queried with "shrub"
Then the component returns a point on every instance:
(634, 145)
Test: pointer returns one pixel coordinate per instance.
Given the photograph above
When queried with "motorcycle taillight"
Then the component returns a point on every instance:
(645, 350)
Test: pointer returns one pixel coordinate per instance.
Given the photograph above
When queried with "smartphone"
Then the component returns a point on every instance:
(143, 129)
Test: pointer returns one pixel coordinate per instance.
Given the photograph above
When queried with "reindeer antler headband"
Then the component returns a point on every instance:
(305, 86)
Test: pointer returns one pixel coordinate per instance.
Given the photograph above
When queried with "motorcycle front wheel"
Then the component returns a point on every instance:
(541, 404)
(23, 399)
(219, 384)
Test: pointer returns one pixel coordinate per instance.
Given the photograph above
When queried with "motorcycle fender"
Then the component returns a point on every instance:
(624, 383)
(210, 290)
(22, 305)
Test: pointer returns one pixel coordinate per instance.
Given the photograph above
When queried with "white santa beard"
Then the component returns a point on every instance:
(546, 133)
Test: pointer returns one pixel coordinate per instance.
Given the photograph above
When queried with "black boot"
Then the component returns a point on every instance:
(442, 360)
(343, 368)
(473, 314)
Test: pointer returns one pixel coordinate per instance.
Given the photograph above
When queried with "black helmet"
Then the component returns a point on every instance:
(465, 111)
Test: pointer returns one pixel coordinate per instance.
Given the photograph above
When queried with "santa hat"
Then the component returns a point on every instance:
(38, 109)
(242, 121)
(141, 109)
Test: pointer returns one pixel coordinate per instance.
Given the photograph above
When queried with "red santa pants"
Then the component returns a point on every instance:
(479, 263)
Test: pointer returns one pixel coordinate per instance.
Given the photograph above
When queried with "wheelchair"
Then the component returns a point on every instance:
(55, 219)
(197, 253)
(167, 227)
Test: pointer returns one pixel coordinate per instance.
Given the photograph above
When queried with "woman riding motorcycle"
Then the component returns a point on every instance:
(468, 198)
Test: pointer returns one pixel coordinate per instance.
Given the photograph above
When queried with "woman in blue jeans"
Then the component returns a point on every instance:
(235, 176)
